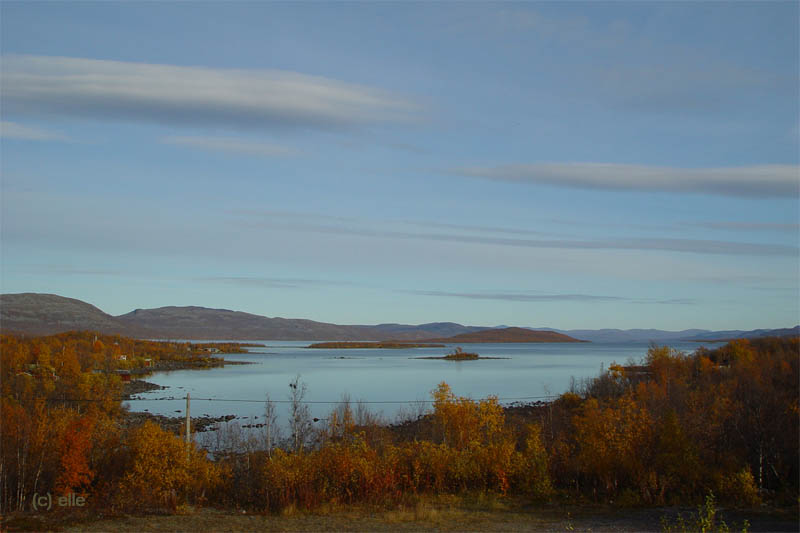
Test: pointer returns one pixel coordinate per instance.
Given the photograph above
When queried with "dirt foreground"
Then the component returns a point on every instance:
(489, 515)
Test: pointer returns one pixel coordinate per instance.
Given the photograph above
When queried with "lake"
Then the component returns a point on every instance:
(390, 379)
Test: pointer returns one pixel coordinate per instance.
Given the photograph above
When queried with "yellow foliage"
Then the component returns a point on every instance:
(163, 472)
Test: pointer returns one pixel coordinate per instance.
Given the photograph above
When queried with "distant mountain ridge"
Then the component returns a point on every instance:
(44, 314)
(507, 335)
(657, 335)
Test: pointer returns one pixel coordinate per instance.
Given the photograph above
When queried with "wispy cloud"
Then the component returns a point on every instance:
(761, 180)
(369, 228)
(566, 297)
(181, 95)
(668, 301)
(67, 270)
(749, 226)
(317, 221)
(521, 297)
(271, 283)
(13, 130)
(230, 145)
(480, 229)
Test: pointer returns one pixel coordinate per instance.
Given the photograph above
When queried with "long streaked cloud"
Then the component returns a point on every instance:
(65, 270)
(13, 130)
(317, 221)
(272, 283)
(364, 228)
(230, 145)
(749, 226)
(759, 180)
(560, 297)
(521, 297)
(480, 229)
(182, 95)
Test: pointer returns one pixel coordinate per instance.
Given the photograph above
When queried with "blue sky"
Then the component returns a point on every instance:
(561, 165)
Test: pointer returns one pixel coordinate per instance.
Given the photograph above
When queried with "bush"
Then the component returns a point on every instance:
(162, 472)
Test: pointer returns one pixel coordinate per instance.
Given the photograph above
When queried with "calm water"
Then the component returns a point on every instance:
(394, 376)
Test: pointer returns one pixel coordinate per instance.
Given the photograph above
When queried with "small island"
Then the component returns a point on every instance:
(391, 344)
(461, 355)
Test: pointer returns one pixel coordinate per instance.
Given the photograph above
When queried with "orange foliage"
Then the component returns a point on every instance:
(75, 446)
(666, 431)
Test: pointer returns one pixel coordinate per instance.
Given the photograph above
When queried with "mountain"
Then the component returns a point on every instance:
(204, 323)
(45, 314)
(631, 335)
(507, 335)
(661, 336)
(422, 331)
(752, 334)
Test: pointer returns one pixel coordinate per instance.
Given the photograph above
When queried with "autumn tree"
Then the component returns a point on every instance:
(162, 472)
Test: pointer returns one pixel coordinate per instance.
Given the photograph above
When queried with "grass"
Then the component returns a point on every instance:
(470, 512)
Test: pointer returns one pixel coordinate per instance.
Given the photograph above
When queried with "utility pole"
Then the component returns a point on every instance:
(188, 428)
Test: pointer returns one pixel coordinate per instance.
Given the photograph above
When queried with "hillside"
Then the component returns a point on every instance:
(204, 323)
(507, 335)
(663, 337)
(44, 314)
(422, 331)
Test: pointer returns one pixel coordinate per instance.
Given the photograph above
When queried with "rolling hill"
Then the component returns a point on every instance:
(507, 335)
(44, 314)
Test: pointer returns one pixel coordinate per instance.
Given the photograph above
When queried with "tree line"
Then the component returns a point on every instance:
(667, 430)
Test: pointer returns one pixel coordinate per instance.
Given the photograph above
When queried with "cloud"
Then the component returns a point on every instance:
(66, 270)
(366, 228)
(760, 180)
(521, 297)
(272, 283)
(181, 95)
(13, 130)
(531, 297)
(230, 145)
(749, 226)
(481, 229)
(668, 301)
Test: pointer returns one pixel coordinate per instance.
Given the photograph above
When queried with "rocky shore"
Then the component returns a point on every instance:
(138, 386)
(175, 424)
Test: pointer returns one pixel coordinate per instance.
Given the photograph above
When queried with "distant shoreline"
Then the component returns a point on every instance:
(446, 358)
(381, 345)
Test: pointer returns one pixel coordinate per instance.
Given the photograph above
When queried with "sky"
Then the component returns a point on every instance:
(565, 165)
